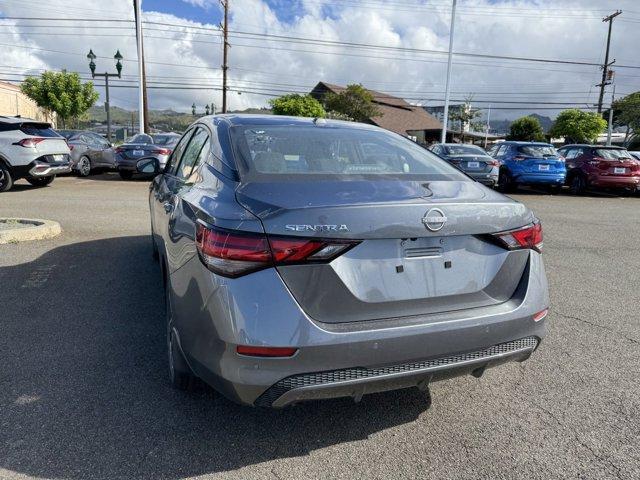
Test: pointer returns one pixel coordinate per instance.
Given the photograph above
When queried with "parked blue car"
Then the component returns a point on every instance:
(529, 163)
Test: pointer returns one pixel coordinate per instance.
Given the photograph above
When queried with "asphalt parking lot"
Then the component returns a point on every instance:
(84, 391)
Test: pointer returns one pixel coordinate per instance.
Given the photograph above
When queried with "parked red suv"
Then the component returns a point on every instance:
(598, 166)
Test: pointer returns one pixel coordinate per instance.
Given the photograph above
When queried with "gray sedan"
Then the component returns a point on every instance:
(472, 160)
(89, 151)
(306, 259)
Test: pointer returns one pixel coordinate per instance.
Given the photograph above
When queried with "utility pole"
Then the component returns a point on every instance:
(142, 78)
(613, 97)
(225, 48)
(447, 93)
(486, 130)
(605, 67)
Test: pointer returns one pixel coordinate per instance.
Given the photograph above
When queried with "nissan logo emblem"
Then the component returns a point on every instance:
(434, 219)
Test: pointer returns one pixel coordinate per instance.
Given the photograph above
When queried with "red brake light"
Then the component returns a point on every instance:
(266, 351)
(526, 237)
(233, 253)
(118, 150)
(494, 163)
(30, 142)
(162, 151)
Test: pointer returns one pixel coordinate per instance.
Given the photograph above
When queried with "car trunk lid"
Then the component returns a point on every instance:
(421, 245)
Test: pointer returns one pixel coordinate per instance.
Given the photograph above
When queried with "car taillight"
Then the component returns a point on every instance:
(118, 150)
(494, 163)
(162, 151)
(526, 237)
(232, 253)
(30, 142)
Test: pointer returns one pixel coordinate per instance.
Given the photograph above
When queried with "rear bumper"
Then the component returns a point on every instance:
(42, 169)
(615, 182)
(130, 163)
(371, 355)
(540, 179)
(356, 382)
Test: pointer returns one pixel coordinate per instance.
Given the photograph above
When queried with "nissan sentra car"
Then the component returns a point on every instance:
(301, 264)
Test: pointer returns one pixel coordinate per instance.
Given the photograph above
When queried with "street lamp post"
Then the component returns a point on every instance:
(92, 65)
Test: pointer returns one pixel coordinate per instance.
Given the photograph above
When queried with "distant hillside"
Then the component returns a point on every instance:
(502, 126)
(165, 120)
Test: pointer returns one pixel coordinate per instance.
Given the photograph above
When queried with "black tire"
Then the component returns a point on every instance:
(180, 374)
(505, 183)
(125, 174)
(6, 180)
(154, 248)
(41, 181)
(84, 166)
(577, 186)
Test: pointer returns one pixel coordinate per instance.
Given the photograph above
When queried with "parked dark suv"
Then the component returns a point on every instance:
(597, 166)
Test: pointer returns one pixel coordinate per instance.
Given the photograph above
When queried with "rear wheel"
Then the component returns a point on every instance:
(41, 181)
(126, 174)
(505, 183)
(577, 185)
(6, 180)
(84, 166)
(180, 374)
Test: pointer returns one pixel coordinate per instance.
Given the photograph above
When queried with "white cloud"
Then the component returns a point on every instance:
(569, 29)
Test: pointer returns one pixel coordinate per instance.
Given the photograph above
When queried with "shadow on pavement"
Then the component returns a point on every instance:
(84, 390)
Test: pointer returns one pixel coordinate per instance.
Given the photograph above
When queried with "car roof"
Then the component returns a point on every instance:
(8, 119)
(514, 142)
(234, 119)
(458, 145)
(614, 147)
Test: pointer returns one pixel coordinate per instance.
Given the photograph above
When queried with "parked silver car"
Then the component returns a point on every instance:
(301, 264)
(89, 151)
(472, 160)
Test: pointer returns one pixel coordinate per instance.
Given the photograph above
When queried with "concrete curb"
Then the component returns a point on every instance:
(38, 230)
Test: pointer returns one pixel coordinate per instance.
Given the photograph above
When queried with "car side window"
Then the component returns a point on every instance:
(568, 153)
(502, 150)
(192, 153)
(174, 159)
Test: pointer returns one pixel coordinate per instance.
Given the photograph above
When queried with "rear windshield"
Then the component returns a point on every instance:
(465, 150)
(38, 130)
(141, 138)
(538, 151)
(612, 153)
(309, 152)
(166, 140)
(67, 133)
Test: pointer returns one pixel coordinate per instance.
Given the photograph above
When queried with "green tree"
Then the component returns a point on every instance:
(465, 114)
(577, 126)
(626, 113)
(298, 106)
(62, 93)
(526, 129)
(355, 102)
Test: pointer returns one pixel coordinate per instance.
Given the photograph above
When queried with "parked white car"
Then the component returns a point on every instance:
(32, 150)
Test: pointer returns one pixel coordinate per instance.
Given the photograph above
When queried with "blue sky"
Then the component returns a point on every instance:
(286, 10)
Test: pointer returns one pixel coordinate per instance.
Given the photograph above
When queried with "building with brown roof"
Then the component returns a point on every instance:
(397, 115)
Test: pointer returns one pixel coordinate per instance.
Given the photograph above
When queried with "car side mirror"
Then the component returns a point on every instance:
(149, 166)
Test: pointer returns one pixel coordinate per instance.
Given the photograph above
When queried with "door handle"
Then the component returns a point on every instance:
(168, 207)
